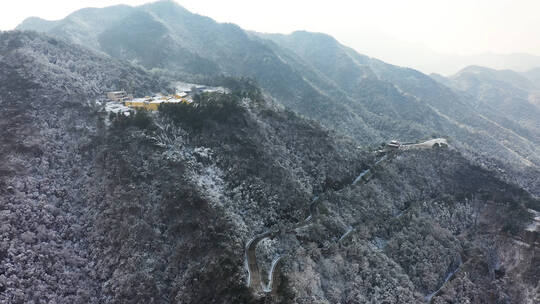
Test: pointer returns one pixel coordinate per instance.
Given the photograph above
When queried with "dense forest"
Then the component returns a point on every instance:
(158, 206)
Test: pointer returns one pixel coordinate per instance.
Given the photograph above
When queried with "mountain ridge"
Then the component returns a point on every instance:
(106, 209)
(362, 97)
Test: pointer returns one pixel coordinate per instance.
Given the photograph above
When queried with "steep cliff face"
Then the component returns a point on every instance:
(160, 211)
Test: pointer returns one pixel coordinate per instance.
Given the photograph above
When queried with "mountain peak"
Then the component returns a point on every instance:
(509, 77)
(32, 23)
(165, 6)
(476, 69)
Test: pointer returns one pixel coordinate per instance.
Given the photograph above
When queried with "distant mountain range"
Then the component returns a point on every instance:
(428, 61)
(318, 77)
(520, 62)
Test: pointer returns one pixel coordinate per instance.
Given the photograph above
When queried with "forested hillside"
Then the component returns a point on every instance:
(317, 77)
(157, 207)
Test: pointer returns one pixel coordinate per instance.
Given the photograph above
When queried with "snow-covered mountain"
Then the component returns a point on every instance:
(159, 207)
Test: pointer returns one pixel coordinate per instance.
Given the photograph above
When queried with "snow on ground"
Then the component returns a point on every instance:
(183, 94)
(427, 144)
(161, 99)
(536, 221)
(117, 107)
(186, 88)
(522, 244)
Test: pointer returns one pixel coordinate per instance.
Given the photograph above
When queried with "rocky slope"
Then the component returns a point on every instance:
(158, 208)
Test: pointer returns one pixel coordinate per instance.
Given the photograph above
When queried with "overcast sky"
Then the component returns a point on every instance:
(445, 26)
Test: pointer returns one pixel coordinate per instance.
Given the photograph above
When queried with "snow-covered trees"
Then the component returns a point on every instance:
(90, 214)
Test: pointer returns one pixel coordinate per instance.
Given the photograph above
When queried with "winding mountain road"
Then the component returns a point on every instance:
(272, 275)
(427, 144)
(254, 280)
(446, 279)
(254, 276)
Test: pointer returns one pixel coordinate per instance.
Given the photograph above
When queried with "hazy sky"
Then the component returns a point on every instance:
(445, 26)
